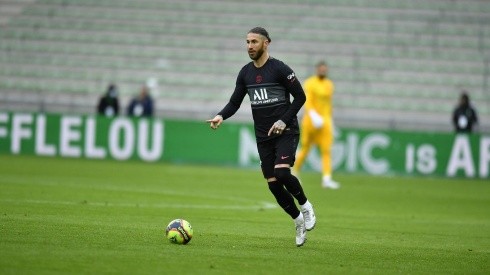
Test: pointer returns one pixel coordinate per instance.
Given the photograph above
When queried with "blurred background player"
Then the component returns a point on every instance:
(141, 105)
(317, 124)
(109, 102)
(464, 116)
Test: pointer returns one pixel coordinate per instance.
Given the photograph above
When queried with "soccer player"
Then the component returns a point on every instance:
(269, 84)
(317, 123)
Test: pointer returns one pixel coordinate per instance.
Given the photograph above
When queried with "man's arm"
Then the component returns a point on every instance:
(233, 105)
(475, 120)
(292, 85)
(475, 117)
(231, 108)
(310, 110)
(455, 118)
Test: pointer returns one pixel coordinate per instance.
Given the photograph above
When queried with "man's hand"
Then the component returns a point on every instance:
(277, 128)
(215, 122)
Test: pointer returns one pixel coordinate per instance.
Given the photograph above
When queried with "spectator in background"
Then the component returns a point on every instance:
(464, 116)
(141, 105)
(317, 124)
(109, 103)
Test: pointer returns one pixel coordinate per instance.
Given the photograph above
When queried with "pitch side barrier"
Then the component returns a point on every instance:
(158, 140)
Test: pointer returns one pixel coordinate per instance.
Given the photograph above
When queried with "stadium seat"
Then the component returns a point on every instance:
(425, 52)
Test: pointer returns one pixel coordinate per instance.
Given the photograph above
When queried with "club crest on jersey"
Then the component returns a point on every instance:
(260, 94)
(258, 79)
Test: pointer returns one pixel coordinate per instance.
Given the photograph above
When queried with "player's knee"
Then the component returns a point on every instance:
(282, 173)
(271, 179)
(275, 187)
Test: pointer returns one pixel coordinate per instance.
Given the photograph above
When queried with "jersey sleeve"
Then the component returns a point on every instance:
(310, 96)
(236, 98)
(289, 80)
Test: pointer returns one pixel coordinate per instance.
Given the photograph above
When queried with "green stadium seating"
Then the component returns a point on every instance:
(424, 52)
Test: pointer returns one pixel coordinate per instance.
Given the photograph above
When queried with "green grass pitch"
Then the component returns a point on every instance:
(62, 216)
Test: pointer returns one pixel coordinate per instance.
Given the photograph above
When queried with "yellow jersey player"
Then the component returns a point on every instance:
(317, 123)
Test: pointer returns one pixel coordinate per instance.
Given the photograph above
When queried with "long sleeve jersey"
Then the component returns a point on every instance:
(269, 89)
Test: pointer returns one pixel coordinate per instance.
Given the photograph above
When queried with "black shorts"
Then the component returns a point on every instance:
(280, 150)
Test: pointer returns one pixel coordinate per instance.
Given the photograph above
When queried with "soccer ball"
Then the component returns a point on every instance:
(179, 231)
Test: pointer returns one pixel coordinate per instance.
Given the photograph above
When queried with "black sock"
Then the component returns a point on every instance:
(284, 199)
(283, 175)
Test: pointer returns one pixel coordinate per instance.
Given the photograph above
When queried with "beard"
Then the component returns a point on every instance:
(256, 55)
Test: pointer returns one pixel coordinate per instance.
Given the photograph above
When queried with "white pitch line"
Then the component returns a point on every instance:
(263, 205)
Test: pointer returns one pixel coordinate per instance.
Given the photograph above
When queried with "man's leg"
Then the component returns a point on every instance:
(282, 196)
(284, 176)
(306, 142)
(325, 144)
(286, 201)
(286, 146)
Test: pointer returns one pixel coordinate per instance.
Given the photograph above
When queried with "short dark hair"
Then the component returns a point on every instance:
(261, 31)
